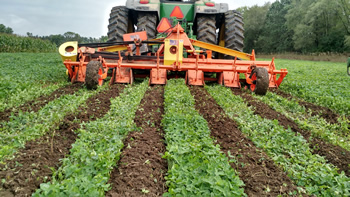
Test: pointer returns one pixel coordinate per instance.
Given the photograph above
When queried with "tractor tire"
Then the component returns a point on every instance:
(261, 81)
(206, 29)
(118, 24)
(234, 31)
(147, 22)
(91, 78)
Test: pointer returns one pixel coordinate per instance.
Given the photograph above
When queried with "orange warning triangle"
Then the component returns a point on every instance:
(177, 12)
(164, 25)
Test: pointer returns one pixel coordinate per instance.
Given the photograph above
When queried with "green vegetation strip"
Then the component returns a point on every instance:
(86, 170)
(26, 76)
(333, 133)
(323, 83)
(30, 93)
(13, 44)
(197, 167)
(28, 126)
(290, 151)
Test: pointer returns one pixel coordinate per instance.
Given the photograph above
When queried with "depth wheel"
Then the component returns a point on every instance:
(118, 24)
(92, 76)
(234, 32)
(260, 78)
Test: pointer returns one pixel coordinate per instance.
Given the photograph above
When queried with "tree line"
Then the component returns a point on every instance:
(58, 39)
(304, 26)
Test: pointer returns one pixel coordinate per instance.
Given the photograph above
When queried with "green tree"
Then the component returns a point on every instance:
(275, 36)
(6, 30)
(316, 25)
(254, 19)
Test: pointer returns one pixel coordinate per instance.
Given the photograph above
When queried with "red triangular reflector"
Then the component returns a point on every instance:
(164, 25)
(177, 12)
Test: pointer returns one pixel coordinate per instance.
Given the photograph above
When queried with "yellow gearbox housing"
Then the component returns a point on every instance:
(172, 47)
(69, 51)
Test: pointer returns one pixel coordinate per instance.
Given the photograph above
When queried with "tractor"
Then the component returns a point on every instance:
(211, 22)
(162, 39)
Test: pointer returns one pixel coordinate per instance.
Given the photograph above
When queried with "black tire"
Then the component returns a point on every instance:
(262, 80)
(147, 21)
(118, 23)
(234, 31)
(91, 78)
(206, 29)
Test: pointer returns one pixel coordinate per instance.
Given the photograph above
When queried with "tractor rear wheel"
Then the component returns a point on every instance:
(234, 31)
(260, 78)
(206, 29)
(118, 24)
(92, 76)
(147, 22)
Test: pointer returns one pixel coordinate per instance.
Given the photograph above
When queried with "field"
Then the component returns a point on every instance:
(60, 139)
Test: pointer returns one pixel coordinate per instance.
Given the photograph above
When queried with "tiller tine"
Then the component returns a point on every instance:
(123, 75)
(195, 78)
(158, 76)
(231, 79)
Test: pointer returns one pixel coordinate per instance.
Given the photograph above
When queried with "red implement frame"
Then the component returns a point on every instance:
(227, 71)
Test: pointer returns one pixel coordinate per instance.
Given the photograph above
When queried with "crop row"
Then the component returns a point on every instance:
(290, 151)
(85, 172)
(27, 76)
(323, 83)
(196, 167)
(28, 126)
(333, 133)
(14, 44)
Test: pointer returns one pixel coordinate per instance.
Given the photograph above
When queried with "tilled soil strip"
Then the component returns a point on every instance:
(334, 154)
(141, 169)
(38, 103)
(323, 112)
(259, 173)
(31, 167)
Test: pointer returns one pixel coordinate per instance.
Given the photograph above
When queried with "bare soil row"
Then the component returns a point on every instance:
(37, 104)
(323, 112)
(33, 165)
(141, 169)
(259, 173)
(334, 154)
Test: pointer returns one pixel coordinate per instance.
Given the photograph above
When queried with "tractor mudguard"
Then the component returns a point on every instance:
(202, 8)
(151, 6)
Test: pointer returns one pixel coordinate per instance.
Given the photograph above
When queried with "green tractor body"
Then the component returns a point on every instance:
(187, 9)
(204, 20)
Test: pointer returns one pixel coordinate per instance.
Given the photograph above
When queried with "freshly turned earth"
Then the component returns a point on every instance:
(38, 103)
(259, 173)
(141, 169)
(336, 155)
(31, 167)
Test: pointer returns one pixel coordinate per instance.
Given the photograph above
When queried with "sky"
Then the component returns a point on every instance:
(88, 18)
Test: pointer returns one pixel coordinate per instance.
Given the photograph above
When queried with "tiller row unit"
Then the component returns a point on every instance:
(176, 56)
